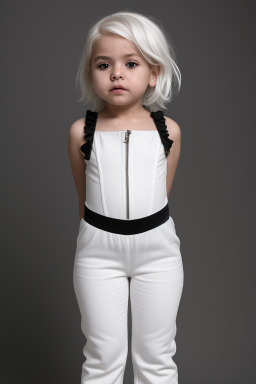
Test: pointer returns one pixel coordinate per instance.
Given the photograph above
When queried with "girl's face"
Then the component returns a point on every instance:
(116, 61)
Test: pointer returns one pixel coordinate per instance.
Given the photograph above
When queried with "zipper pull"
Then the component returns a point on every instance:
(127, 133)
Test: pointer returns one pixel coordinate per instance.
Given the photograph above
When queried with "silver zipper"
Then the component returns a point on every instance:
(127, 134)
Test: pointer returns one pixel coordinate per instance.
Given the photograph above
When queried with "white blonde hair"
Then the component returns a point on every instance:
(153, 43)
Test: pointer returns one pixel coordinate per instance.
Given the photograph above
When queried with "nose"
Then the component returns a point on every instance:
(116, 74)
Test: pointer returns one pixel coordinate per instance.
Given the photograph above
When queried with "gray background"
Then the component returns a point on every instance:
(212, 198)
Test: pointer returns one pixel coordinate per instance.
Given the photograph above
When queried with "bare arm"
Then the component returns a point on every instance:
(77, 163)
(174, 155)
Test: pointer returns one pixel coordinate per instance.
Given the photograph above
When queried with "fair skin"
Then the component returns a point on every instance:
(123, 109)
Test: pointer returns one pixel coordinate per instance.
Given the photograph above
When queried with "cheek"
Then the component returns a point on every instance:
(140, 77)
(98, 79)
(98, 85)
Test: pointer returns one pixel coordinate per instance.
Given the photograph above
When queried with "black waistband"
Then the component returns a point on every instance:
(126, 227)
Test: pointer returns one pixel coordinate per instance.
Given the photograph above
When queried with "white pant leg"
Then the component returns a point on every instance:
(102, 291)
(155, 293)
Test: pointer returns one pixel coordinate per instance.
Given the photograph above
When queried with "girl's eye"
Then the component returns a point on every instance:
(130, 62)
(100, 66)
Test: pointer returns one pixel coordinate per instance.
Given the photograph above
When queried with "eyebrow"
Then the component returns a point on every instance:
(109, 58)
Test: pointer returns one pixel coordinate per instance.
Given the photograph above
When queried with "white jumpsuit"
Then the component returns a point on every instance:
(127, 180)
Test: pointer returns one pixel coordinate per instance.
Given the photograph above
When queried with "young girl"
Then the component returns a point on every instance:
(124, 154)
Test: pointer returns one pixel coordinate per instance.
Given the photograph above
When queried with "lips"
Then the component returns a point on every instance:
(118, 87)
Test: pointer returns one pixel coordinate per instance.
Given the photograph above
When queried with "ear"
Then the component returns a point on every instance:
(154, 75)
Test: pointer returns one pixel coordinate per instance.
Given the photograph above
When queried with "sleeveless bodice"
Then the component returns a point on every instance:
(126, 170)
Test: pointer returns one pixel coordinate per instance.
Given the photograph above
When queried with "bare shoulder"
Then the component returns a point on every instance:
(76, 130)
(76, 137)
(173, 128)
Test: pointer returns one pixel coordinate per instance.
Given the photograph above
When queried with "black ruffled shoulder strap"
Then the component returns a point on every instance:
(159, 120)
(89, 128)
